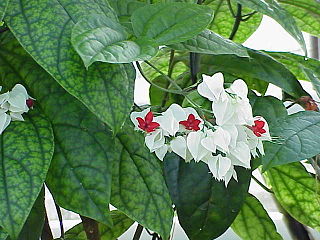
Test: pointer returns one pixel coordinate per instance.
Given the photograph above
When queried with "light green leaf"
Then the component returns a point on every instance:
(223, 20)
(121, 223)
(306, 14)
(26, 152)
(138, 187)
(254, 223)
(259, 67)
(211, 43)
(205, 207)
(3, 7)
(297, 192)
(272, 9)
(105, 89)
(99, 38)
(297, 139)
(169, 23)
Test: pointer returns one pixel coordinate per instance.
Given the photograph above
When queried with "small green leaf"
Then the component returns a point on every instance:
(3, 7)
(297, 139)
(253, 222)
(205, 207)
(105, 89)
(306, 14)
(211, 43)
(273, 9)
(26, 152)
(121, 223)
(169, 23)
(138, 187)
(99, 38)
(297, 192)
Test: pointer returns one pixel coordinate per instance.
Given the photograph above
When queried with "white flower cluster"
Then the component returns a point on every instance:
(235, 136)
(13, 104)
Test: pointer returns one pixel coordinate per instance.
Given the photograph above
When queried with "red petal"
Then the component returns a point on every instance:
(152, 126)
(184, 123)
(259, 124)
(191, 118)
(149, 117)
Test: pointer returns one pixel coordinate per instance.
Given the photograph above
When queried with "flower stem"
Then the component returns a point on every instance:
(237, 22)
(261, 184)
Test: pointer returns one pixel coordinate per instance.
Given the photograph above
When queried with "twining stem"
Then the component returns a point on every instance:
(60, 220)
(261, 184)
(237, 22)
(4, 29)
(91, 228)
(170, 71)
(138, 232)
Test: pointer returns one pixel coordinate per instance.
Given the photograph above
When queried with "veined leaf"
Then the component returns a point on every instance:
(99, 38)
(169, 23)
(253, 222)
(306, 14)
(273, 9)
(3, 235)
(211, 43)
(105, 89)
(297, 139)
(26, 152)
(3, 8)
(121, 223)
(297, 192)
(205, 207)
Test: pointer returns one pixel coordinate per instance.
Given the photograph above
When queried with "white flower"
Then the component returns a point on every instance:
(219, 138)
(17, 100)
(161, 151)
(5, 120)
(155, 140)
(240, 155)
(212, 87)
(195, 147)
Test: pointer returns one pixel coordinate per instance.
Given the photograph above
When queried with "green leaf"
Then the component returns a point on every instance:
(169, 23)
(271, 108)
(138, 187)
(259, 67)
(297, 139)
(3, 7)
(206, 208)
(306, 14)
(82, 142)
(211, 43)
(273, 9)
(26, 152)
(106, 89)
(3, 235)
(297, 192)
(223, 20)
(99, 38)
(253, 222)
(121, 223)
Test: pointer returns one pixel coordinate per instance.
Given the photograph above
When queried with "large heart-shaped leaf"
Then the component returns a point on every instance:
(26, 152)
(206, 208)
(297, 192)
(297, 139)
(211, 43)
(107, 90)
(99, 38)
(169, 23)
(274, 10)
(3, 8)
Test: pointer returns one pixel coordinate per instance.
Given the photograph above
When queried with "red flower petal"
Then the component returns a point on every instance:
(149, 117)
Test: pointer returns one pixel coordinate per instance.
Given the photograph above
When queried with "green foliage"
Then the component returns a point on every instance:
(298, 192)
(211, 43)
(121, 223)
(3, 8)
(297, 139)
(254, 223)
(26, 152)
(205, 207)
(274, 10)
(170, 23)
(107, 90)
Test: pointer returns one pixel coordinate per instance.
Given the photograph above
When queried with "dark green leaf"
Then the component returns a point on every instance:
(223, 20)
(3, 7)
(271, 108)
(206, 208)
(306, 14)
(157, 96)
(211, 43)
(121, 223)
(253, 222)
(169, 23)
(107, 90)
(138, 187)
(259, 67)
(26, 152)
(99, 38)
(297, 139)
(273, 9)
(297, 192)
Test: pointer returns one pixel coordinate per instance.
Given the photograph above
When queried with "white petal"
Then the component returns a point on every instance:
(179, 146)
(222, 139)
(194, 145)
(17, 103)
(4, 121)
(212, 162)
(155, 140)
(177, 111)
(223, 111)
(228, 176)
(224, 166)
(233, 132)
(4, 97)
(209, 144)
(19, 89)
(161, 152)
(212, 87)
(242, 153)
(16, 116)
(239, 87)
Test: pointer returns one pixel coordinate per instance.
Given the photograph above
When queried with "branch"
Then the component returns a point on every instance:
(236, 22)
(91, 228)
